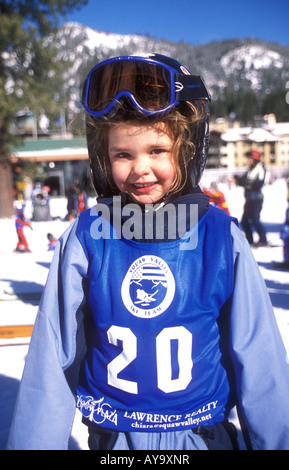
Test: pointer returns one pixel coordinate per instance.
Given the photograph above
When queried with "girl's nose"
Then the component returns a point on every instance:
(141, 166)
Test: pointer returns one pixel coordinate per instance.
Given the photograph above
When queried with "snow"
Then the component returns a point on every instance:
(251, 59)
(250, 55)
(22, 277)
(107, 42)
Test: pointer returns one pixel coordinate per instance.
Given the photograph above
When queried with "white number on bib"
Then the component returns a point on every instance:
(163, 358)
(127, 355)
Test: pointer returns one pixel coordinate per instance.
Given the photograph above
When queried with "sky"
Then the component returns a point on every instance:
(191, 21)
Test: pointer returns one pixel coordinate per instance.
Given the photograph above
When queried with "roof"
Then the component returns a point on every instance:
(279, 128)
(50, 144)
(254, 134)
(52, 149)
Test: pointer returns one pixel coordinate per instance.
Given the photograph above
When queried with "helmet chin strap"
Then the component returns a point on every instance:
(129, 199)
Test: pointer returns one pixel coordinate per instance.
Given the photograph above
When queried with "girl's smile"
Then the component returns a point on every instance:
(141, 160)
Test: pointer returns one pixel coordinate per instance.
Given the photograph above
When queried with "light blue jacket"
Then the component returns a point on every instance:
(45, 407)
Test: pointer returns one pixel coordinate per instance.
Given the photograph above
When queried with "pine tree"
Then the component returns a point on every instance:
(30, 74)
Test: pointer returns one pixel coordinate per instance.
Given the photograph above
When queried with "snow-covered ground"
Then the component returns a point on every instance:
(22, 277)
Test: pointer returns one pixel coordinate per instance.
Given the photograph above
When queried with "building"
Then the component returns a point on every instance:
(237, 142)
(271, 138)
(281, 131)
(61, 163)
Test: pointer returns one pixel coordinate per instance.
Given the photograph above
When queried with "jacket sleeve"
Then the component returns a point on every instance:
(258, 354)
(45, 405)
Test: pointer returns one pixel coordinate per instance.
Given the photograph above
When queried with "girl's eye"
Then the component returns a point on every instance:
(158, 151)
(122, 155)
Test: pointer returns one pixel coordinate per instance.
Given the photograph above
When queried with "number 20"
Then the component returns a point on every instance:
(163, 358)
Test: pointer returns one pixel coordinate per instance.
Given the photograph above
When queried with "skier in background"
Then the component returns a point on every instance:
(217, 197)
(284, 235)
(20, 223)
(253, 181)
(52, 242)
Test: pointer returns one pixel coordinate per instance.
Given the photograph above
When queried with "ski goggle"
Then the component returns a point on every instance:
(152, 86)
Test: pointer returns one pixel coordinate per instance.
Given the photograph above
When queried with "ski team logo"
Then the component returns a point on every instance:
(148, 287)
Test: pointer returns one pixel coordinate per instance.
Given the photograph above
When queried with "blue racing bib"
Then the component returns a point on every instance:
(155, 362)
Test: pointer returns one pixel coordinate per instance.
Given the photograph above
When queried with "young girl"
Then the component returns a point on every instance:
(155, 320)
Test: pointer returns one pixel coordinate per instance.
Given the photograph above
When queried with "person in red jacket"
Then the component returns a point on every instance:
(20, 222)
(217, 198)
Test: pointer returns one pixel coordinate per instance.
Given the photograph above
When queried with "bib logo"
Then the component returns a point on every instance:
(148, 287)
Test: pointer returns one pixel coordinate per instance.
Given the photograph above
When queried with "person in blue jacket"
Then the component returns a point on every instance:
(155, 321)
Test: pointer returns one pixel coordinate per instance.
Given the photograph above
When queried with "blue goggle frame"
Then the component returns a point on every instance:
(178, 85)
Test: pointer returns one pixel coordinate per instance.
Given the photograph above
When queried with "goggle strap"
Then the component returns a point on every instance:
(83, 92)
(190, 87)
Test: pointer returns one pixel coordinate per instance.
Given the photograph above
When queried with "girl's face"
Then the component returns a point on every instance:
(141, 160)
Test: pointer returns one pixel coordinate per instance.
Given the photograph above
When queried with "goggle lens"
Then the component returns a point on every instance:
(148, 83)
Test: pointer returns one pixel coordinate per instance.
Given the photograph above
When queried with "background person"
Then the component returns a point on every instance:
(253, 181)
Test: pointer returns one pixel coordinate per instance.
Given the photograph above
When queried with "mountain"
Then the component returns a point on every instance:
(248, 68)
